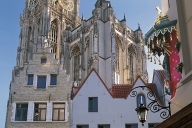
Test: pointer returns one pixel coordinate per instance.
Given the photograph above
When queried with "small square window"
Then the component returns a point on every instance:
(131, 126)
(53, 80)
(83, 126)
(41, 82)
(30, 80)
(104, 126)
(40, 112)
(152, 125)
(58, 112)
(21, 112)
(43, 60)
(93, 104)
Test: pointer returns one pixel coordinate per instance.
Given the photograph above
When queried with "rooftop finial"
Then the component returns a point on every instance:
(139, 28)
(124, 17)
(82, 18)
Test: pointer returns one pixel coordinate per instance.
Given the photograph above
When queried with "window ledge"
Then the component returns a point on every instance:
(52, 85)
(40, 89)
(29, 86)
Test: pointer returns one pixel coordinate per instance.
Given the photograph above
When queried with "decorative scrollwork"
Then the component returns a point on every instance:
(133, 93)
(165, 114)
(154, 105)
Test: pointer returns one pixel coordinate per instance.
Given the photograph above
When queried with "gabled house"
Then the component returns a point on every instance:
(94, 105)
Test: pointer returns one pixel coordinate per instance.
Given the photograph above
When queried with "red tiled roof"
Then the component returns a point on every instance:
(75, 89)
(121, 91)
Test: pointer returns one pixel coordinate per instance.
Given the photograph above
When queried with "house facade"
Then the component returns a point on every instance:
(97, 106)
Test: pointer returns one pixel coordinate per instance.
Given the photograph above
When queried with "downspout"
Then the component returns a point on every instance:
(71, 114)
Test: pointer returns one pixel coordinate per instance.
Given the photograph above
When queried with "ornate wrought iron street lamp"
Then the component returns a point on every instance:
(153, 106)
(142, 113)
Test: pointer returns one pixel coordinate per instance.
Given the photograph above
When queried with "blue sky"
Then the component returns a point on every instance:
(136, 11)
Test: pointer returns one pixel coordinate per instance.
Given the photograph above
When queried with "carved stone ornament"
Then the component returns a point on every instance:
(32, 4)
(17, 72)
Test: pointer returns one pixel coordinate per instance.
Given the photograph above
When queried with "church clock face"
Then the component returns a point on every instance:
(32, 4)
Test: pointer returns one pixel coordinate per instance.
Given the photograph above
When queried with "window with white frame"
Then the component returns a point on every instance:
(41, 82)
(21, 112)
(40, 112)
(58, 112)
(104, 126)
(131, 126)
(82, 126)
(141, 99)
(93, 104)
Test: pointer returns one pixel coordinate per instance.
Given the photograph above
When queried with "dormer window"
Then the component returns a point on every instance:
(43, 60)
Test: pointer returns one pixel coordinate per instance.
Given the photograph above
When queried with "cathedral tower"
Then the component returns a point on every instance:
(40, 87)
(42, 24)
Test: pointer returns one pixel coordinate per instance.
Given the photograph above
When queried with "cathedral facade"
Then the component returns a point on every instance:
(58, 49)
(105, 43)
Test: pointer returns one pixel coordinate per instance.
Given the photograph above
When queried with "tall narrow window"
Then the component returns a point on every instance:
(54, 36)
(40, 112)
(141, 100)
(53, 79)
(76, 63)
(59, 112)
(30, 80)
(54, 31)
(93, 104)
(21, 112)
(131, 67)
(117, 54)
(41, 82)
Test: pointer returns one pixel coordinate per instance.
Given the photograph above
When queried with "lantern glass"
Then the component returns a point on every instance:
(142, 113)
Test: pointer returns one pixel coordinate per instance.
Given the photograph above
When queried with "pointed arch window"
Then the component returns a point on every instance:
(54, 31)
(54, 36)
(117, 53)
(76, 63)
(131, 66)
(141, 99)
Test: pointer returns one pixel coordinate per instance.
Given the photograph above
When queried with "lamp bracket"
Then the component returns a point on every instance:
(155, 104)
